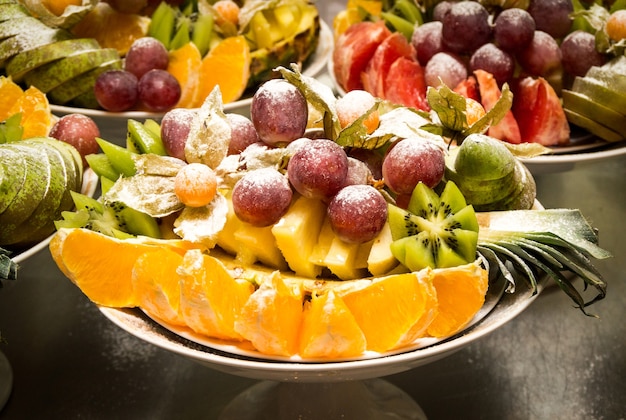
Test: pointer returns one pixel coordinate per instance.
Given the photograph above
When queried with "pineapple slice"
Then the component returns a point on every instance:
(380, 260)
(258, 244)
(341, 260)
(296, 235)
(324, 241)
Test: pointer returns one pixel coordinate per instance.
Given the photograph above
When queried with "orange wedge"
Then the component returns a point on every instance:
(211, 298)
(101, 266)
(156, 284)
(10, 92)
(36, 114)
(184, 65)
(271, 319)
(329, 329)
(226, 65)
(461, 293)
(394, 310)
(112, 29)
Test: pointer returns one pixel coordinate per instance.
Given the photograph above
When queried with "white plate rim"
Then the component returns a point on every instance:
(315, 65)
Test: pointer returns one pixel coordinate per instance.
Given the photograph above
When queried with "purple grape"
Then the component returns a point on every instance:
(279, 112)
(319, 169)
(513, 29)
(158, 90)
(261, 197)
(579, 53)
(441, 9)
(465, 27)
(175, 126)
(542, 56)
(357, 213)
(495, 61)
(445, 66)
(243, 133)
(116, 90)
(145, 54)
(427, 41)
(410, 161)
(552, 16)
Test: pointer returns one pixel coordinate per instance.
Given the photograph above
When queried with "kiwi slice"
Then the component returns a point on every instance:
(434, 231)
(114, 219)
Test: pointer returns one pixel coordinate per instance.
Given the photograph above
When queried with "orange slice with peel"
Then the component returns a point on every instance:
(272, 317)
(227, 65)
(211, 298)
(156, 284)
(184, 65)
(101, 266)
(329, 330)
(461, 293)
(10, 92)
(394, 310)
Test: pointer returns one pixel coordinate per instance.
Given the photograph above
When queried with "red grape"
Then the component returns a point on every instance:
(158, 90)
(116, 90)
(495, 61)
(319, 169)
(243, 133)
(552, 16)
(145, 54)
(410, 161)
(579, 53)
(465, 26)
(513, 29)
(261, 197)
(446, 68)
(357, 213)
(78, 130)
(542, 56)
(427, 41)
(175, 126)
(279, 112)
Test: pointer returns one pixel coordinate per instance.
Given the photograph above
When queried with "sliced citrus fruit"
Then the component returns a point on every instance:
(10, 92)
(156, 285)
(210, 297)
(226, 65)
(112, 29)
(271, 319)
(329, 329)
(393, 310)
(184, 65)
(461, 293)
(36, 114)
(101, 266)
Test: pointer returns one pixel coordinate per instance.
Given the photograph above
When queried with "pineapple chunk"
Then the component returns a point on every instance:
(258, 244)
(321, 248)
(296, 234)
(380, 260)
(341, 258)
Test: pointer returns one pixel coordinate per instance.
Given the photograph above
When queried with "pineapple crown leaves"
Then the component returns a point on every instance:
(555, 242)
(8, 268)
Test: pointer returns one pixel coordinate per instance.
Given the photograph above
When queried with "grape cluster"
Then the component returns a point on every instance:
(465, 36)
(348, 180)
(144, 80)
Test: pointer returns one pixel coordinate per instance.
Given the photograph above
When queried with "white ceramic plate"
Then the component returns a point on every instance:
(113, 125)
(253, 365)
(245, 349)
(90, 184)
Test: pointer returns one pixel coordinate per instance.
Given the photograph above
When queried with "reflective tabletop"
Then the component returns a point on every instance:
(68, 361)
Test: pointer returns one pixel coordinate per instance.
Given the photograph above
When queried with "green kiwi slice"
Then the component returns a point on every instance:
(434, 231)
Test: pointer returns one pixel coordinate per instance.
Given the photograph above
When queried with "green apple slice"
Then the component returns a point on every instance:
(51, 75)
(73, 88)
(12, 10)
(25, 41)
(40, 223)
(12, 176)
(29, 60)
(592, 126)
(30, 195)
(594, 111)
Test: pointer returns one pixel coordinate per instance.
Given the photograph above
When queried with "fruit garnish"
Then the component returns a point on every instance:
(434, 231)
(31, 104)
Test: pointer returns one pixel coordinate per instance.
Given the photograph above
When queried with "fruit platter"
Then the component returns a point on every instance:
(562, 60)
(365, 241)
(81, 53)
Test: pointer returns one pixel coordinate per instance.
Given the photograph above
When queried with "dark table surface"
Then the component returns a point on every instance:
(551, 362)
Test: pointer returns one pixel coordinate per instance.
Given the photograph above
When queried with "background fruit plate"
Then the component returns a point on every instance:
(90, 185)
(113, 125)
(135, 322)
